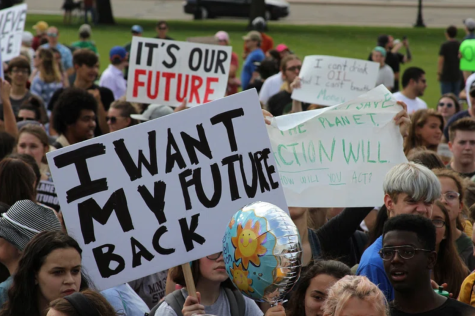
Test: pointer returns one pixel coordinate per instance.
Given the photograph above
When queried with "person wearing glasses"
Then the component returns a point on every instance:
(52, 34)
(413, 86)
(281, 103)
(119, 115)
(409, 255)
(447, 106)
(462, 145)
(216, 294)
(449, 270)
(385, 73)
(453, 191)
(162, 31)
(409, 188)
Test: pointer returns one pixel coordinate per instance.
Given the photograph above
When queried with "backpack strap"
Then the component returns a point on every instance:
(237, 305)
(175, 300)
(57, 145)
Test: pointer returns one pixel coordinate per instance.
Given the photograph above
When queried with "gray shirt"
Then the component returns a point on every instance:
(220, 307)
(151, 288)
(385, 77)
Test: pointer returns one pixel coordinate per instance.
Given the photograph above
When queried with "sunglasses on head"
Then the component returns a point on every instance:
(449, 105)
(19, 119)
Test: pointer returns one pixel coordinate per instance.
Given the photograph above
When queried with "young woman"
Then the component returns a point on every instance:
(33, 141)
(311, 292)
(452, 197)
(213, 287)
(449, 268)
(90, 303)
(118, 116)
(17, 181)
(50, 268)
(32, 110)
(425, 131)
(447, 106)
(48, 78)
(355, 295)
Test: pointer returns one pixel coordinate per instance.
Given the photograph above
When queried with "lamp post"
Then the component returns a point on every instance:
(419, 22)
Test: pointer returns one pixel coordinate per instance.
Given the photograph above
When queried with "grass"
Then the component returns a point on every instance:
(342, 41)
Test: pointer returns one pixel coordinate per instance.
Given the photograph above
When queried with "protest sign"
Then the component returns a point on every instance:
(160, 194)
(46, 194)
(467, 50)
(338, 156)
(12, 23)
(328, 80)
(167, 72)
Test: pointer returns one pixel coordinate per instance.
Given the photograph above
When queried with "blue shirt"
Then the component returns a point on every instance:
(125, 301)
(4, 287)
(371, 266)
(66, 55)
(469, 36)
(256, 55)
(455, 117)
(44, 90)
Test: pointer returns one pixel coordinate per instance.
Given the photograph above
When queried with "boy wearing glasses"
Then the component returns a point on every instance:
(409, 188)
(409, 255)
(413, 86)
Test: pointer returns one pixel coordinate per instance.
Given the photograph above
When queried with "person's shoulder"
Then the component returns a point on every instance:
(398, 96)
(454, 305)
(164, 310)
(422, 102)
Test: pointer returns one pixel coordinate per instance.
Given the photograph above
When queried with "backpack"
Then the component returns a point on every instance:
(176, 300)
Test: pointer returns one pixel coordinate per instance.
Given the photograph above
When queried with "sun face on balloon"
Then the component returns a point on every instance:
(240, 279)
(248, 244)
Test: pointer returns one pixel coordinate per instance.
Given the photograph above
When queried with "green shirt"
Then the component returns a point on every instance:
(85, 44)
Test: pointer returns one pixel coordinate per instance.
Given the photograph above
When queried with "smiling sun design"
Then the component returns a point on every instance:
(248, 244)
(241, 280)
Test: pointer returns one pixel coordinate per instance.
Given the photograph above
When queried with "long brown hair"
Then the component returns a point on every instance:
(49, 71)
(17, 181)
(419, 119)
(96, 300)
(449, 268)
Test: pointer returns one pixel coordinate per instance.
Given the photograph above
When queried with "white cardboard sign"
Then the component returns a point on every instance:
(338, 156)
(160, 194)
(12, 24)
(167, 72)
(328, 80)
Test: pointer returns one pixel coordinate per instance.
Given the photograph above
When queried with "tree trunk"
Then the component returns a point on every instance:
(258, 9)
(104, 11)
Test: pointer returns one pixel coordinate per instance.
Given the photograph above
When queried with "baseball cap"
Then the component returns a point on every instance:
(472, 90)
(222, 36)
(152, 112)
(469, 23)
(281, 47)
(24, 220)
(27, 38)
(41, 26)
(381, 50)
(118, 52)
(252, 36)
(85, 28)
(137, 29)
(259, 23)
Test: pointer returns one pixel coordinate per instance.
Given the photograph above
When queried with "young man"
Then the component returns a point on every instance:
(409, 255)
(385, 73)
(85, 32)
(66, 56)
(413, 86)
(18, 226)
(281, 102)
(267, 43)
(409, 188)
(448, 70)
(252, 41)
(162, 30)
(74, 117)
(462, 146)
(40, 28)
(113, 77)
(86, 65)
(467, 113)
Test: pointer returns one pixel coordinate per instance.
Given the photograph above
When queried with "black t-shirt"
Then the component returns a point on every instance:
(451, 307)
(450, 70)
(463, 175)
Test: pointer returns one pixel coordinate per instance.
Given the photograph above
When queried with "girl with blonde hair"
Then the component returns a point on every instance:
(48, 78)
(426, 131)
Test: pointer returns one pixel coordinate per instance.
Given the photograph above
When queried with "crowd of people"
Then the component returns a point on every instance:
(414, 255)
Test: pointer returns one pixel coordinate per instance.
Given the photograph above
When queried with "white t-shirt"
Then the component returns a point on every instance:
(468, 84)
(385, 77)
(270, 87)
(220, 308)
(412, 104)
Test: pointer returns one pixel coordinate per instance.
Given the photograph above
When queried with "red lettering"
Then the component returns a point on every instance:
(208, 90)
(196, 83)
(168, 76)
(137, 83)
(149, 85)
(179, 96)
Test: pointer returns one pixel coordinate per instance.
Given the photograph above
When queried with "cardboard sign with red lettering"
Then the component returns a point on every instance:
(167, 72)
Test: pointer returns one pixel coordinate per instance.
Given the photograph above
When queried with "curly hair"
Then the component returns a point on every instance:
(67, 110)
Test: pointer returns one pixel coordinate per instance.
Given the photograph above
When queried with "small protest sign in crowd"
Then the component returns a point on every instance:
(170, 185)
